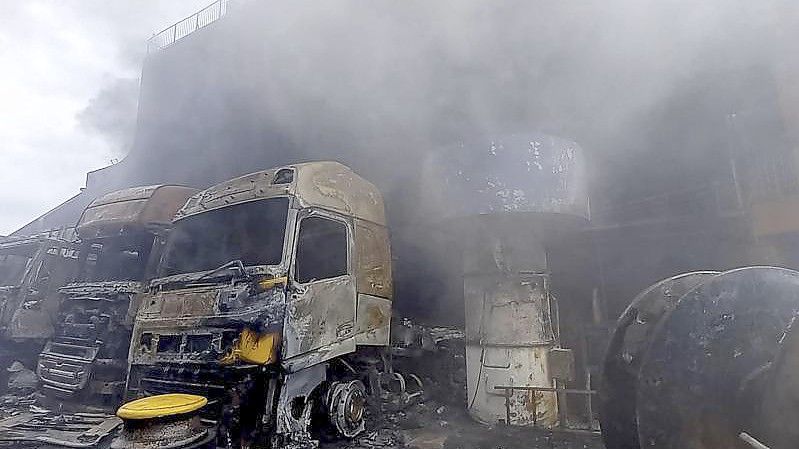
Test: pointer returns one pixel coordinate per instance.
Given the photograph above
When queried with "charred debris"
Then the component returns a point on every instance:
(259, 312)
(289, 307)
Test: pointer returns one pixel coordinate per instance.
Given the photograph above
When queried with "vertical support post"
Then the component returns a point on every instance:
(588, 402)
(559, 399)
(508, 392)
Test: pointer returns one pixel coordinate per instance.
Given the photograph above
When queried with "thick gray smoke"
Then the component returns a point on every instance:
(638, 84)
(112, 113)
(57, 58)
(647, 89)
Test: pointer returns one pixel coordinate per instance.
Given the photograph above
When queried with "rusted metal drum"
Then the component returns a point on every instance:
(626, 350)
(721, 364)
(779, 404)
(702, 380)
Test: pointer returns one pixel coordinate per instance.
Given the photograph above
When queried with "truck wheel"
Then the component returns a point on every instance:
(346, 407)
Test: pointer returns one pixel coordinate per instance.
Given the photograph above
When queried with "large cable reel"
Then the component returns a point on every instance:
(697, 370)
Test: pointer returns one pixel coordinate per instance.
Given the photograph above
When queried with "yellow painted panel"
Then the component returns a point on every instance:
(253, 348)
(161, 405)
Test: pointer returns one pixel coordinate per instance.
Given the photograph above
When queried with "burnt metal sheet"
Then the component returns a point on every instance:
(148, 205)
(95, 316)
(513, 173)
(32, 313)
(699, 379)
(200, 312)
(508, 338)
(318, 314)
(776, 426)
(373, 260)
(325, 184)
(628, 344)
(333, 186)
(373, 320)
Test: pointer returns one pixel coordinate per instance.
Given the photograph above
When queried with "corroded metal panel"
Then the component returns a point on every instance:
(513, 173)
(327, 185)
(776, 426)
(702, 376)
(318, 314)
(373, 259)
(333, 186)
(209, 314)
(373, 320)
(34, 312)
(148, 205)
(508, 338)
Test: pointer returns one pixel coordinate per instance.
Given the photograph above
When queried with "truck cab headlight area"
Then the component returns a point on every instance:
(226, 347)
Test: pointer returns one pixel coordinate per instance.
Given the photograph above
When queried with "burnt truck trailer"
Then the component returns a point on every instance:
(31, 271)
(271, 313)
(120, 239)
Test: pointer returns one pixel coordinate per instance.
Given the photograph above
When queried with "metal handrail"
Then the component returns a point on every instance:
(560, 397)
(190, 24)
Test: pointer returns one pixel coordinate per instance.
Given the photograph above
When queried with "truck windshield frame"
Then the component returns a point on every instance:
(253, 232)
(123, 257)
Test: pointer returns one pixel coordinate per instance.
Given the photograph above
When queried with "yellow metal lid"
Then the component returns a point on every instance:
(161, 405)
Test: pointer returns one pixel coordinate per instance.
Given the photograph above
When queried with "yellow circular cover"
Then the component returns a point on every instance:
(161, 405)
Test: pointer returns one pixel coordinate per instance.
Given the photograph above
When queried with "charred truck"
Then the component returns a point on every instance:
(270, 316)
(120, 239)
(31, 271)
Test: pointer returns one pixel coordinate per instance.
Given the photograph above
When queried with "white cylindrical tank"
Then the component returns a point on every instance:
(502, 202)
(509, 329)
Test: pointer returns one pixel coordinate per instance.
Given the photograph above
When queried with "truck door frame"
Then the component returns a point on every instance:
(320, 313)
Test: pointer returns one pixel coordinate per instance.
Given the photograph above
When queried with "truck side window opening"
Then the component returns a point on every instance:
(321, 249)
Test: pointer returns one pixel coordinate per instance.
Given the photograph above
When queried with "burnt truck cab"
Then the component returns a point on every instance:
(120, 239)
(31, 271)
(275, 291)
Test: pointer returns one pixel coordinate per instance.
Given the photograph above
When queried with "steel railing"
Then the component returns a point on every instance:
(190, 24)
(560, 397)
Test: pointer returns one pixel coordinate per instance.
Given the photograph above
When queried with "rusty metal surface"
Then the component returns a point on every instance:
(333, 186)
(508, 338)
(200, 313)
(512, 173)
(318, 314)
(327, 185)
(373, 260)
(93, 333)
(188, 322)
(88, 351)
(628, 344)
(776, 426)
(146, 205)
(175, 433)
(26, 253)
(33, 313)
(700, 381)
(373, 321)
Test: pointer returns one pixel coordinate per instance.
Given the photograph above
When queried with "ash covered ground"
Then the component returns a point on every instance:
(439, 419)
(430, 425)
